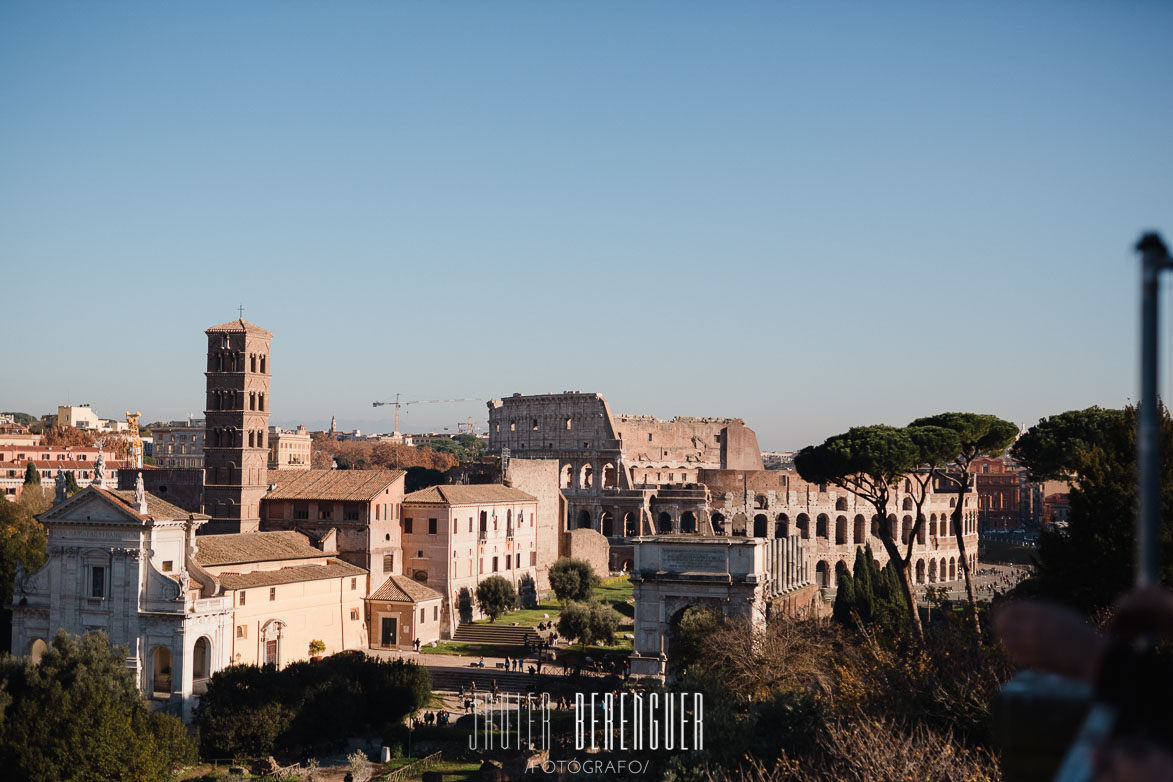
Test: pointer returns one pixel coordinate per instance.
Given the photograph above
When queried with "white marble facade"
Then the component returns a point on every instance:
(124, 565)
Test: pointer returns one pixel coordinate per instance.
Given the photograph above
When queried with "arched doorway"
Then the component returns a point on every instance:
(821, 526)
(803, 524)
(663, 523)
(840, 530)
(920, 571)
(688, 522)
(37, 650)
(952, 568)
(271, 634)
(821, 574)
(201, 665)
(718, 521)
(584, 519)
(840, 569)
(860, 531)
(608, 522)
(161, 672)
(932, 571)
(761, 526)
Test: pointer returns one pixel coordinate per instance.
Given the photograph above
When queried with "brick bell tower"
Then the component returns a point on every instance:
(236, 448)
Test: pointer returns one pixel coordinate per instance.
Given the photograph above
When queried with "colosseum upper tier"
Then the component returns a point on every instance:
(631, 475)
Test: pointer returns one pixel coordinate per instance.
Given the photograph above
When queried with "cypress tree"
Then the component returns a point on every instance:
(845, 600)
(71, 487)
(865, 587)
(31, 475)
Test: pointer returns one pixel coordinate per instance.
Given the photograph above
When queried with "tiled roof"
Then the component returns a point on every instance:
(239, 324)
(60, 464)
(401, 589)
(476, 494)
(156, 508)
(254, 547)
(340, 485)
(335, 568)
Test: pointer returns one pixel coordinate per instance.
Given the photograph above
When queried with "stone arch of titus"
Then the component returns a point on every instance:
(742, 578)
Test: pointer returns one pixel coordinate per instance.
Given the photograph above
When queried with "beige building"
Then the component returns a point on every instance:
(131, 565)
(362, 508)
(179, 444)
(455, 536)
(403, 611)
(284, 593)
(289, 449)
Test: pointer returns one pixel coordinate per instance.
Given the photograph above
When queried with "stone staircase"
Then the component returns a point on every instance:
(451, 679)
(500, 635)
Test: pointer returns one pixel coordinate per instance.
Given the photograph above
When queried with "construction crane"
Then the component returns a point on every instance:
(399, 404)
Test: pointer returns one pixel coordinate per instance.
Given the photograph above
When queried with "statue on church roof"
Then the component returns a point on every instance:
(100, 469)
(140, 494)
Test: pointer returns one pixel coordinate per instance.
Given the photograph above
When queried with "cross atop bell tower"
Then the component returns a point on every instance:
(236, 450)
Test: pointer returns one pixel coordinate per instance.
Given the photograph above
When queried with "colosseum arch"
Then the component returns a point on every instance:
(739, 524)
(584, 519)
(782, 526)
(821, 577)
(760, 502)
(920, 571)
(933, 526)
(841, 530)
(841, 503)
(607, 520)
(907, 504)
(859, 537)
(921, 532)
(932, 571)
(906, 530)
(761, 526)
(586, 478)
(944, 569)
(688, 522)
(718, 521)
(609, 476)
(565, 476)
(952, 568)
(840, 569)
(630, 527)
(664, 523)
(803, 524)
(821, 524)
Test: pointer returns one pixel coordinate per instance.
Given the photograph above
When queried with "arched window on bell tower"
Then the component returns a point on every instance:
(252, 362)
(261, 401)
(252, 400)
(262, 364)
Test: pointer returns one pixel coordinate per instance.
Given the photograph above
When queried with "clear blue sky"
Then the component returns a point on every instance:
(810, 215)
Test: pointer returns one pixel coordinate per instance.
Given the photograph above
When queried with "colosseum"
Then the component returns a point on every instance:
(630, 475)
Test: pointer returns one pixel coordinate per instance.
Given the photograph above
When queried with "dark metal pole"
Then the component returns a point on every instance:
(1154, 259)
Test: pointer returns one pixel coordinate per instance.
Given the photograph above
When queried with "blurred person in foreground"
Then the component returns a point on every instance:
(1054, 638)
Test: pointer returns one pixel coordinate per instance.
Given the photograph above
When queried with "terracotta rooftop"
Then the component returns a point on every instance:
(254, 547)
(401, 589)
(476, 494)
(240, 324)
(341, 485)
(335, 568)
(156, 508)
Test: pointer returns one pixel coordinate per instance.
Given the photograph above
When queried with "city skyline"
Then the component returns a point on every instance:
(807, 218)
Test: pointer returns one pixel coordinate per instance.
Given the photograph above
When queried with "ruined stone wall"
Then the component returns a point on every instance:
(540, 479)
(589, 545)
(569, 421)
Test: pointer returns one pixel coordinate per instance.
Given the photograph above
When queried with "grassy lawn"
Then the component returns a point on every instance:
(616, 591)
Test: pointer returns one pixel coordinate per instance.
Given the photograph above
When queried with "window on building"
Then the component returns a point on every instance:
(419, 555)
(242, 631)
(167, 565)
(508, 562)
(352, 515)
(407, 525)
(421, 615)
(354, 583)
(431, 526)
(470, 523)
(272, 593)
(354, 614)
(388, 563)
(243, 594)
(326, 512)
(301, 511)
(494, 564)
(97, 581)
